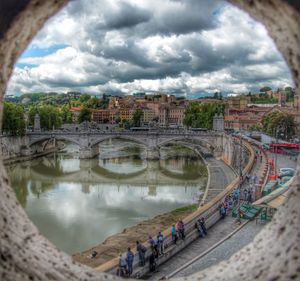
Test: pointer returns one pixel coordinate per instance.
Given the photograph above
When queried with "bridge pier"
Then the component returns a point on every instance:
(25, 151)
(153, 153)
(88, 152)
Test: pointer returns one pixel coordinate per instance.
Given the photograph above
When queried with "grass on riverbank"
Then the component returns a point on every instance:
(185, 209)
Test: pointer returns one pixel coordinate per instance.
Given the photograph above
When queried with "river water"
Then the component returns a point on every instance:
(77, 203)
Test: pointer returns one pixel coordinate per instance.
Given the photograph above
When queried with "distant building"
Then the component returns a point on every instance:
(148, 116)
(244, 119)
(100, 116)
(176, 115)
(171, 115)
(153, 106)
(113, 102)
(75, 110)
(239, 102)
(241, 122)
(114, 115)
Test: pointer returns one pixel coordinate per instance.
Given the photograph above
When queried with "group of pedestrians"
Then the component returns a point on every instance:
(230, 202)
(178, 231)
(125, 267)
(248, 194)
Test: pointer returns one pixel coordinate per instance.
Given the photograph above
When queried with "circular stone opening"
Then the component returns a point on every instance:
(26, 255)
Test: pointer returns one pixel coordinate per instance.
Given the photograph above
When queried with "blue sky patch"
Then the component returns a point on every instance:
(34, 51)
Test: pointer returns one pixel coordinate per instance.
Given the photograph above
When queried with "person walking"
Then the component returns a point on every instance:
(222, 211)
(174, 234)
(245, 194)
(248, 177)
(160, 243)
(249, 197)
(122, 266)
(180, 229)
(198, 226)
(203, 226)
(141, 249)
(152, 262)
(152, 243)
(238, 216)
(129, 260)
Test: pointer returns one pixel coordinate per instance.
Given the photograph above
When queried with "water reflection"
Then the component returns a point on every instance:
(78, 203)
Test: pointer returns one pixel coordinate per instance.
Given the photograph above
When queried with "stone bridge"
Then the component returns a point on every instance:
(215, 143)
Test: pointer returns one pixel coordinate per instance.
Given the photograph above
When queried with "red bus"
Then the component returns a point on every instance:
(286, 148)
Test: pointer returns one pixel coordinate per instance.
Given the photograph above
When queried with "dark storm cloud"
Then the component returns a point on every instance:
(126, 16)
(128, 52)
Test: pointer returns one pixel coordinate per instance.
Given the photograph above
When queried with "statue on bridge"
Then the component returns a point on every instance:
(37, 123)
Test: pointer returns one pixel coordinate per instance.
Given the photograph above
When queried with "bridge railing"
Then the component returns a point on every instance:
(209, 211)
(126, 132)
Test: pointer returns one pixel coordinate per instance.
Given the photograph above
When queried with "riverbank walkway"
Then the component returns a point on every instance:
(222, 252)
(215, 234)
(220, 175)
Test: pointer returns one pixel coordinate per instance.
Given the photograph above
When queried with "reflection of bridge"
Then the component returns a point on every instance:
(89, 172)
(207, 142)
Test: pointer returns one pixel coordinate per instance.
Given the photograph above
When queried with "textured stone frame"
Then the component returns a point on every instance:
(26, 255)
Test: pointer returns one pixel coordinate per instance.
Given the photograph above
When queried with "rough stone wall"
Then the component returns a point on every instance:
(26, 255)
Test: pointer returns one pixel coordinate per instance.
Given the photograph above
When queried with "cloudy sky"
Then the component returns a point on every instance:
(177, 46)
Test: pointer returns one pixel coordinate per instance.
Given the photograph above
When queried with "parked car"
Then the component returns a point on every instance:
(283, 172)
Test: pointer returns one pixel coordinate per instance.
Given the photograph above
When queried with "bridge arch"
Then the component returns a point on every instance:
(190, 140)
(56, 137)
(125, 137)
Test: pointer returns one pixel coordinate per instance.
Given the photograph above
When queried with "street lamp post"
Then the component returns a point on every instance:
(241, 161)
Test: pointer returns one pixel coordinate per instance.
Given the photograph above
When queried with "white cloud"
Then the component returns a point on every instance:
(129, 45)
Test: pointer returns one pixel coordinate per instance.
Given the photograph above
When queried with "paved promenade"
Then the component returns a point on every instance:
(225, 250)
(220, 230)
(220, 176)
(215, 234)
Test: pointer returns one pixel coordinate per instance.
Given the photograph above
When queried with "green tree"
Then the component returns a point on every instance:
(13, 119)
(84, 115)
(93, 103)
(265, 89)
(84, 98)
(66, 114)
(216, 95)
(277, 122)
(255, 127)
(50, 116)
(262, 99)
(201, 115)
(136, 117)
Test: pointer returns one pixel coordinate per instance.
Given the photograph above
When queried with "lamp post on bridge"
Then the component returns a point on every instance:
(241, 161)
